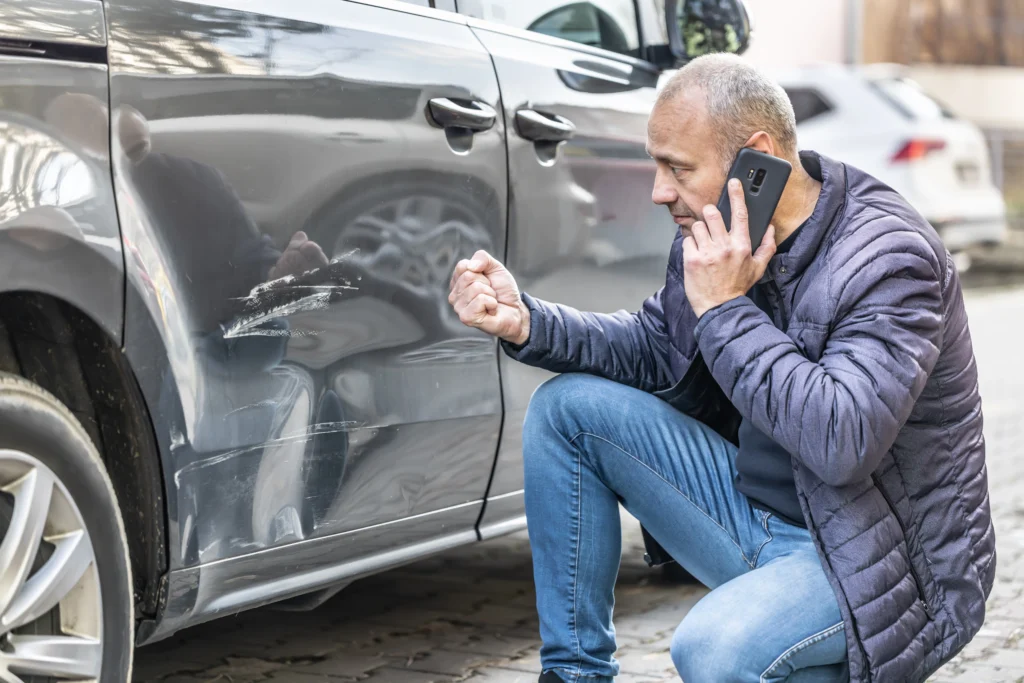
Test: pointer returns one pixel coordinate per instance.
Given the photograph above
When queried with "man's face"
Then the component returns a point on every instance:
(691, 171)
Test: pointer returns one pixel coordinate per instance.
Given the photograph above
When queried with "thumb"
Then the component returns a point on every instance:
(766, 250)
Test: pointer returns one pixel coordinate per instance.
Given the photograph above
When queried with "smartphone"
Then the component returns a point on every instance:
(764, 178)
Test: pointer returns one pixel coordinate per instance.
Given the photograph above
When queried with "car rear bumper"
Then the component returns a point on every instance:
(963, 233)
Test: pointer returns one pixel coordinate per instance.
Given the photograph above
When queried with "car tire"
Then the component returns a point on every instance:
(46, 455)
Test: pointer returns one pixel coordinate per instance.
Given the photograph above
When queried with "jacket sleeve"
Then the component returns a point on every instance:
(840, 415)
(629, 348)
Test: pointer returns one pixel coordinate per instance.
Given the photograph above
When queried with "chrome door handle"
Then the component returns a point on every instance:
(541, 127)
(472, 115)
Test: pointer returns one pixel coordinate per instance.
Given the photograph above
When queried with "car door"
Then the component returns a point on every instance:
(304, 393)
(582, 228)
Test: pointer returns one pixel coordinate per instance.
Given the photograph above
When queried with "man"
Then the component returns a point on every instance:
(799, 427)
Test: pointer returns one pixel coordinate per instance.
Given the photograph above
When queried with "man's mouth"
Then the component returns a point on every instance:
(685, 221)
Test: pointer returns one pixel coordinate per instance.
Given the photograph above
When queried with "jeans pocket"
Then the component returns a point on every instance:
(765, 516)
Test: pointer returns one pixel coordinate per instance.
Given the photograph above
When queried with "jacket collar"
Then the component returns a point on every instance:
(827, 212)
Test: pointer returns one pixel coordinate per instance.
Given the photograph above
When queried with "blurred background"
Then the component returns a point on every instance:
(927, 95)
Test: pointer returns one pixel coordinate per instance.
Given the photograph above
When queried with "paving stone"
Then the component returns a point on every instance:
(447, 662)
(389, 675)
(640, 661)
(492, 675)
(343, 665)
(494, 644)
(529, 662)
(288, 676)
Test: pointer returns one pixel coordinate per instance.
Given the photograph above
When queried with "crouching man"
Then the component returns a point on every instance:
(799, 427)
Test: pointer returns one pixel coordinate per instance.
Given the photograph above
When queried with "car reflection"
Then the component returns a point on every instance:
(60, 156)
(303, 355)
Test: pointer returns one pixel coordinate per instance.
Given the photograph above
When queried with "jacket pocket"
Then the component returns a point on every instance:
(918, 581)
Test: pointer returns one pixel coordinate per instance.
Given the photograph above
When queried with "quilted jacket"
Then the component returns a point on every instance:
(867, 377)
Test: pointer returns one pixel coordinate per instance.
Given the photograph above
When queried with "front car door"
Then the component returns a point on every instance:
(582, 228)
(321, 403)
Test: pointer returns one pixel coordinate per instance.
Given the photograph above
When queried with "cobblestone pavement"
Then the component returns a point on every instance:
(468, 615)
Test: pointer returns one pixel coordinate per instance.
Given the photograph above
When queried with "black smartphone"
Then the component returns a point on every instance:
(764, 178)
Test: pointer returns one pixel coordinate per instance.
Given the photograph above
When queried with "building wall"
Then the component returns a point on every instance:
(798, 32)
(990, 96)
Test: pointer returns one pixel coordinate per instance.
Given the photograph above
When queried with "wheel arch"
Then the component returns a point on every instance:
(68, 352)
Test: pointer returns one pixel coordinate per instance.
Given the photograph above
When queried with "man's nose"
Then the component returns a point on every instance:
(664, 193)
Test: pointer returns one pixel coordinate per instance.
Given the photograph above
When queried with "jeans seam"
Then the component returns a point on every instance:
(670, 485)
(574, 674)
(802, 645)
(757, 553)
(576, 559)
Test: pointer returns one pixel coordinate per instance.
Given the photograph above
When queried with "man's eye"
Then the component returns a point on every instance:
(676, 170)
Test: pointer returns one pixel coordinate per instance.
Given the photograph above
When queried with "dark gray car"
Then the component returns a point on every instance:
(229, 375)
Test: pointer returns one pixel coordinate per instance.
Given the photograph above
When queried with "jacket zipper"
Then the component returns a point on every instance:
(903, 527)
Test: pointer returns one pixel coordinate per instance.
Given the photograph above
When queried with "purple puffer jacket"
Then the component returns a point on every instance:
(870, 384)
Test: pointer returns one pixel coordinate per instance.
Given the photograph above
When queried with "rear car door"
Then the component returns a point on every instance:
(296, 395)
(582, 228)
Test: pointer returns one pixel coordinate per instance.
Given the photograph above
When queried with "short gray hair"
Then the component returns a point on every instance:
(741, 100)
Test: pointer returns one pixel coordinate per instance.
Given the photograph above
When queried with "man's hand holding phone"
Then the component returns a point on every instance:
(717, 262)
(485, 296)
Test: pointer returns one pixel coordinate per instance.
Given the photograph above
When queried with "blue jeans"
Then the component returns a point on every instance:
(589, 444)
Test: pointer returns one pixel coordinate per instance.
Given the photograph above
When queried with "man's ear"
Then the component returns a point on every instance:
(762, 142)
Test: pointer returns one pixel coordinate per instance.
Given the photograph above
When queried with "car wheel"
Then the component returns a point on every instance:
(65, 580)
(412, 233)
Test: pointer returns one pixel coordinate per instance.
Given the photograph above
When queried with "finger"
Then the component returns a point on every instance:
(480, 262)
(300, 236)
(460, 268)
(689, 248)
(474, 290)
(716, 224)
(312, 252)
(701, 235)
(740, 229)
(474, 312)
(766, 250)
(467, 278)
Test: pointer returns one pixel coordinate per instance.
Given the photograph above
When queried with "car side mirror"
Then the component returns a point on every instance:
(699, 27)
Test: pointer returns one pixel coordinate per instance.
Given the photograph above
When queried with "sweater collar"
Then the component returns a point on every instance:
(827, 212)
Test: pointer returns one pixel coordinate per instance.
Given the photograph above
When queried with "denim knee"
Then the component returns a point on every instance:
(709, 652)
(559, 402)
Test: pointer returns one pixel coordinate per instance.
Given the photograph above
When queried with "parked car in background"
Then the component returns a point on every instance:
(229, 374)
(875, 118)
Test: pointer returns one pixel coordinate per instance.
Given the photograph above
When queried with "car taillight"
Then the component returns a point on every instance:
(917, 149)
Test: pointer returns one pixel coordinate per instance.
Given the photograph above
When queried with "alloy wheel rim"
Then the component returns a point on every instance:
(44, 512)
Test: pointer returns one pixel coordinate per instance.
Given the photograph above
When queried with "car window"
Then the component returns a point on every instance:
(606, 24)
(909, 99)
(807, 103)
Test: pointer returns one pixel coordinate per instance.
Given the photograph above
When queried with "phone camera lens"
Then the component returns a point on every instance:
(759, 177)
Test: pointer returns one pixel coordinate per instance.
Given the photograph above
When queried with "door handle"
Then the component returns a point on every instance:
(541, 127)
(472, 115)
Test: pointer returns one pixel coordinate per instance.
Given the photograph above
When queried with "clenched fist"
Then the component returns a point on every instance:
(485, 296)
(301, 255)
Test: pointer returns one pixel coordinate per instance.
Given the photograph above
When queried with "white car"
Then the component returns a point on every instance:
(875, 118)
